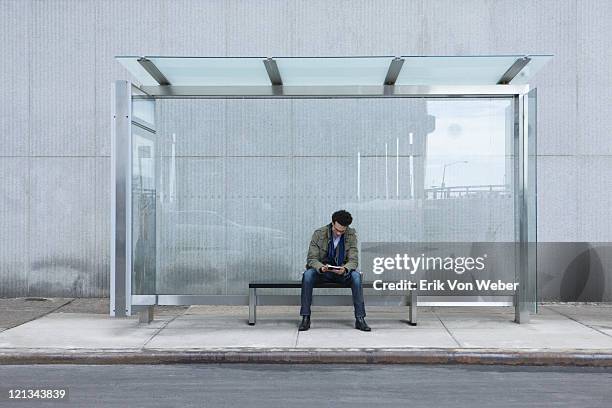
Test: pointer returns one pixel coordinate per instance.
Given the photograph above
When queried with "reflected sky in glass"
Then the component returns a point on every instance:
(472, 131)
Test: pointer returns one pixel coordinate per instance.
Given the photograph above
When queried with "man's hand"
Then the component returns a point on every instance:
(327, 268)
(335, 270)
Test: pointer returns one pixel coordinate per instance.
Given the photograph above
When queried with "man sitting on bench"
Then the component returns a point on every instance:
(333, 257)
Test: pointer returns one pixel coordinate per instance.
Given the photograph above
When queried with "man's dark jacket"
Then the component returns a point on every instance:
(317, 251)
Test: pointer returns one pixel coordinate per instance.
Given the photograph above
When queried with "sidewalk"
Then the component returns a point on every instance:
(81, 331)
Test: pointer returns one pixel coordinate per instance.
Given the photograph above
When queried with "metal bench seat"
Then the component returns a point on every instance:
(253, 286)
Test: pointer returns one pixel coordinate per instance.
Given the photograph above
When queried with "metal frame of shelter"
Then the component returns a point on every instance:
(124, 92)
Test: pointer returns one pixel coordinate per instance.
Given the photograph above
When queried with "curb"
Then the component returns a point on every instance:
(316, 356)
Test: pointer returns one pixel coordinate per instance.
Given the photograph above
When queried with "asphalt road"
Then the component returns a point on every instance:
(335, 386)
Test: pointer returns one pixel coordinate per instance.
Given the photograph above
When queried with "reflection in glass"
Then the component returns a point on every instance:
(143, 212)
(243, 183)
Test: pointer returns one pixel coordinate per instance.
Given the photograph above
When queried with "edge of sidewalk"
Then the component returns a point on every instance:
(591, 358)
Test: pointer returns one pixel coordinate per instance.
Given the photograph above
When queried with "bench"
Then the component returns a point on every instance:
(253, 286)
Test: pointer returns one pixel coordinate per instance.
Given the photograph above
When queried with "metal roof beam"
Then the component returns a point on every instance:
(513, 71)
(150, 67)
(393, 72)
(273, 72)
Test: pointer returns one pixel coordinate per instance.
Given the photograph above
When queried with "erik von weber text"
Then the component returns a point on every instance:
(442, 285)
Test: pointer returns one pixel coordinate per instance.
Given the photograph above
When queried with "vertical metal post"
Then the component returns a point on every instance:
(252, 306)
(412, 317)
(121, 200)
(532, 201)
(521, 303)
(146, 315)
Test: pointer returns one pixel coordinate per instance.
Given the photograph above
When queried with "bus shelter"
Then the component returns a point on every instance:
(223, 167)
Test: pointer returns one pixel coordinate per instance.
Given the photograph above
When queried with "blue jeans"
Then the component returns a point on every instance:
(349, 279)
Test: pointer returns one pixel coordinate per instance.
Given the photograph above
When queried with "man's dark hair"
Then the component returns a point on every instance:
(342, 217)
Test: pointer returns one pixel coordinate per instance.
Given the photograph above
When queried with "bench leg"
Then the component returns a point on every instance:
(412, 318)
(252, 305)
(146, 315)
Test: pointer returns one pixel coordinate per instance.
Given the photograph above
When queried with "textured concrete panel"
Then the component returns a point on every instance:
(594, 193)
(14, 99)
(475, 27)
(272, 20)
(558, 201)
(63, 78)
(63, 246)
(340, 128)
(259, 205)
(518, 27)
(193, 253)
(122, 28)
(472, 219)
(195, 28)
(191, 127)
(259, 127)
(459, 28)
(594, 66)
(358, 28)
(13, 221)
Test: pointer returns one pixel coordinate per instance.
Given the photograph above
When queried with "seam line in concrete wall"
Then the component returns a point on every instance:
(28, 182)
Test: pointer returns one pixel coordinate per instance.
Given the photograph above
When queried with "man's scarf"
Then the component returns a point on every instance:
(336, 257)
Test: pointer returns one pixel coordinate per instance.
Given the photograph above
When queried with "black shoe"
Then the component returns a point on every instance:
(305, 325)
(360, 324)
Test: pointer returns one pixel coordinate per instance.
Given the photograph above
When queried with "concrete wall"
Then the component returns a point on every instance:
(57, 65)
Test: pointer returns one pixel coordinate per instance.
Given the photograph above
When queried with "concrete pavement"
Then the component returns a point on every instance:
(81, 331)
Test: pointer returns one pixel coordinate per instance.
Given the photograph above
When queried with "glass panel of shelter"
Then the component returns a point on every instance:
(144, 214)
(243, 183)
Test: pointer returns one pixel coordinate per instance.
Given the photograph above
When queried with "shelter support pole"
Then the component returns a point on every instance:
(145, 315)
(121, 202)
(522, 294)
